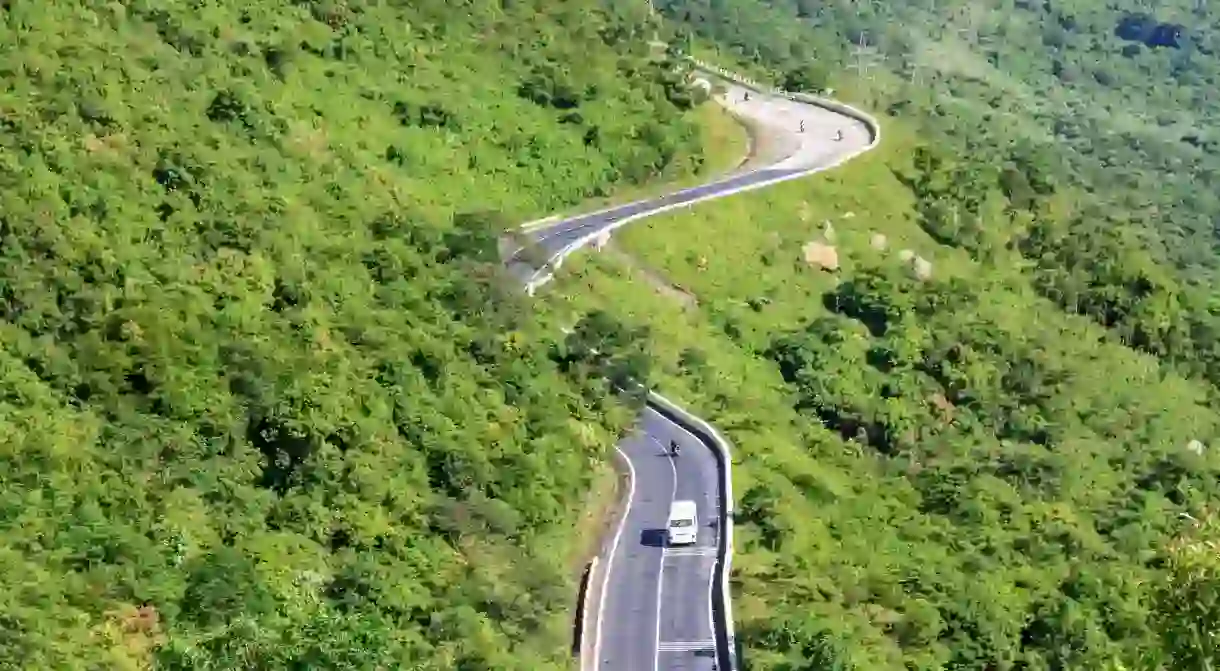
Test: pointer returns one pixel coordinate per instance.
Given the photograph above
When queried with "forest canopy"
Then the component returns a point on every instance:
(268, 401)
(1008, 464)
(265, 399)
(1122, 98)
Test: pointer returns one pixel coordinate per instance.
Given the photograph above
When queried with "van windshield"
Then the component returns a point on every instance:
(681, 523)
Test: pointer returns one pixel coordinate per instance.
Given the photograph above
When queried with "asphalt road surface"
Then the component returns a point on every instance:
(656, 609)
(780, 119)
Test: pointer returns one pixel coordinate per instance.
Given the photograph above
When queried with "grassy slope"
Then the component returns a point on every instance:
(1130, 121)
(726, 145)
(863, 562)
(243, 422)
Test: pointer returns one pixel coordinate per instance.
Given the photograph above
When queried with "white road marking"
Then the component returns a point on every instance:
(690, 552)
(685, 646)
(656, 659)
(716, 534)
(618, 534)
(775, 103)
(711, 584)
(698, 551)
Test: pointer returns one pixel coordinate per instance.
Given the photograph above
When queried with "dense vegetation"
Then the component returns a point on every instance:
(1125, 100)
(1066, 149)
(265, 401)
(946, 473)
(268, 402)
(993, 468)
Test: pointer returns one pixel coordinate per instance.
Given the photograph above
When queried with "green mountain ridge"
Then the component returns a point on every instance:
(1131, 123)
(1006, 464)
(266, 401)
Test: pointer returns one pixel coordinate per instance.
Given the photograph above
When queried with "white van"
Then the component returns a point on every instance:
(683, 523)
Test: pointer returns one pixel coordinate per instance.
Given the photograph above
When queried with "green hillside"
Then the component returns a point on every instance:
(992, 467)
(1106, 181)
(1123, 96)
(947, 473)
(264, 401)
(267, 401)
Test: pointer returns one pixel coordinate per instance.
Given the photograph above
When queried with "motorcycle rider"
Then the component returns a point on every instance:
(674, 447)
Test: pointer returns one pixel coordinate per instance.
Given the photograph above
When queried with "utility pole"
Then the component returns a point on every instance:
(866, 57)
(966, 16)
(858, 53)
(861, 65)
(878, 58)
(652, 20)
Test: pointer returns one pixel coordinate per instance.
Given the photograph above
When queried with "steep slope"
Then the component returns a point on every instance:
(1106, 178)
(1122, 95)
(947, 472)
(265, 402)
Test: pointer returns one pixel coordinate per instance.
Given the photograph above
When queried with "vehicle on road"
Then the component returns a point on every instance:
(674, 447)
(683, 523)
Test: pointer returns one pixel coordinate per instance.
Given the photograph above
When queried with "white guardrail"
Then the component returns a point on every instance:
(726, 637)
(546, 274)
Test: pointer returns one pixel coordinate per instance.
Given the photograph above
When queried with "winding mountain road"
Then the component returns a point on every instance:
(803, 135)
(650, 606)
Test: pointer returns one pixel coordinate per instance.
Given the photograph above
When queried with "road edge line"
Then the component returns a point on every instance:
(709, 436)
(609, 566)
(546, 273)
(673, 491)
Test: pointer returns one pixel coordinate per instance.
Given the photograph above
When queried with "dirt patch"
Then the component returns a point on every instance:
(766, 145)
(653, 277)
(820, 255)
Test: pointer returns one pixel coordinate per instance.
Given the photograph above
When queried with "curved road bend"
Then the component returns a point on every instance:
(656, 610)
(780, 118)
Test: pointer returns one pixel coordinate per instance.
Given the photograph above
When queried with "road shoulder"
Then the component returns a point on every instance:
(604, 511)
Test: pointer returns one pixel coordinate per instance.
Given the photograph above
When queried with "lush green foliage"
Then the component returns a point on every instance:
(1066, 150)
(265, 400)
(1187, 604)
(943, 473)
(1127, 100)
